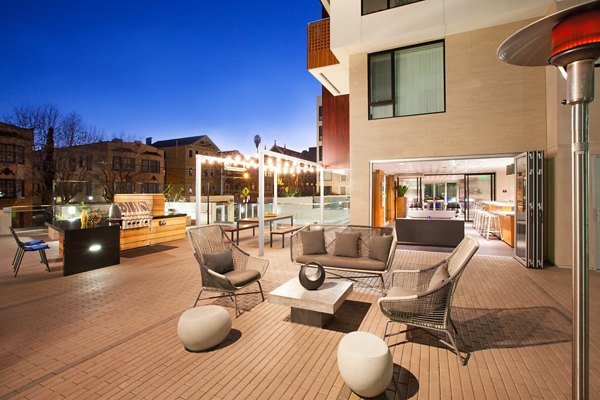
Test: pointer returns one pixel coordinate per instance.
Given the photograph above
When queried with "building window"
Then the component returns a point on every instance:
(343, 190)
(191, 153)
(343, 178)
(10, 153)
(128, 164)
(150, 187)
(117, 162)
(320, 113)
(124, 187)
(12, 188)
(327, 176)
(320, 153)
(371, 6)
(407, 81)
(151, 166)
(320, 133)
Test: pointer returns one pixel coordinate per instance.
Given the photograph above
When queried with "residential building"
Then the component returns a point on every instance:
(297, 184)
(16, 146)
(180, 163)
(421, 80)
(97, 171)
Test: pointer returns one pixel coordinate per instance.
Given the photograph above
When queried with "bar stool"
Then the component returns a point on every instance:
(491, 224)
(23, 247)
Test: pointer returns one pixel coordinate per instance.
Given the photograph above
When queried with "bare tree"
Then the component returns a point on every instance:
(40, 118)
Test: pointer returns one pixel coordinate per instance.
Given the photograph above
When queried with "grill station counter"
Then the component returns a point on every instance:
(143, 222)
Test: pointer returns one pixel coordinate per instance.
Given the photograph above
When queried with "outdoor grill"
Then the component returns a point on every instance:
(131, 214)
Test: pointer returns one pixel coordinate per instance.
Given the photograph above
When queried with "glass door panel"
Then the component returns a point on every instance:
(521, 207)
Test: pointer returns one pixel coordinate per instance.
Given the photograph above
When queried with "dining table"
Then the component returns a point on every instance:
(255, 220)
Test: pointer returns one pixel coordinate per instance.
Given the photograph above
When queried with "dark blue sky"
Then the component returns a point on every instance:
(165, 69)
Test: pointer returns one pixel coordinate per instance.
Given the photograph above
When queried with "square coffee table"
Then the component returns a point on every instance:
(312, 307)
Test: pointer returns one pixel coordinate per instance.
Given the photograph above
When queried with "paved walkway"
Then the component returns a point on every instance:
(111, 333)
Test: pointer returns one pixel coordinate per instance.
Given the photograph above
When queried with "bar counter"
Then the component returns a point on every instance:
(86, 249)
(506, 214)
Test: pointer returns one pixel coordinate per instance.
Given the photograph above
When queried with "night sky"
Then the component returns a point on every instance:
(166, 69)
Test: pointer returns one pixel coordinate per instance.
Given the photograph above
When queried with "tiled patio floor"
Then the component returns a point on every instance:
(111, 333)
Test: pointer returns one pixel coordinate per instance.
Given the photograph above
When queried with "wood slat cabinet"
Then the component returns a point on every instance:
(161, 230)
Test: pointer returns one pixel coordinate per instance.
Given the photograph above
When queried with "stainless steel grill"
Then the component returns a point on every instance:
(131, 214)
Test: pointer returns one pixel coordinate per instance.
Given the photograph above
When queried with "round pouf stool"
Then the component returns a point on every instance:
(203, 327)
(365, 363)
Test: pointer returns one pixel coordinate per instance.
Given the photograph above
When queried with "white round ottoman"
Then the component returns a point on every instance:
(203, 327)
(365, 363)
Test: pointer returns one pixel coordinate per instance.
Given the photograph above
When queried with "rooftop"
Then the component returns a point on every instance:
(112, 333)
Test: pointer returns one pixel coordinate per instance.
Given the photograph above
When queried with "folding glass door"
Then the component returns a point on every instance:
(529, 210)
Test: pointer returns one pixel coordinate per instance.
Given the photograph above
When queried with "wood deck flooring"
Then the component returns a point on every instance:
(112, 333)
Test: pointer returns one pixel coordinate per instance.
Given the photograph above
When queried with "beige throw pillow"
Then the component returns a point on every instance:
(440, 276)
(346, 244)
(380, 247)
(313, 242)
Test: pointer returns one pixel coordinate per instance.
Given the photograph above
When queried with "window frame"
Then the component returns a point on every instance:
(389, 7)
(150, 166)
(17, 189)
(13, 153)
(393, 80)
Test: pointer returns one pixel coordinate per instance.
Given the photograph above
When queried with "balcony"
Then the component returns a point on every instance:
(319, 52)
(322, 62)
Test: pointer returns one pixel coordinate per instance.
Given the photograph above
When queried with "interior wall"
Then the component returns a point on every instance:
(505, 186)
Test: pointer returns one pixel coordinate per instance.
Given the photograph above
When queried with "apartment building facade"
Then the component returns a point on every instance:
(422, 80)
(96, 172)
(16, 145)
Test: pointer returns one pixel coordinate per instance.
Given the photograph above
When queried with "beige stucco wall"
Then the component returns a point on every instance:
(491, 108)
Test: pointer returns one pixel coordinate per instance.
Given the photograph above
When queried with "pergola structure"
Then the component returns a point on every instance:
(277, 163)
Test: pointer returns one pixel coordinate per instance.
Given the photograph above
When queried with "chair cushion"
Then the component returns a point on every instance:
(359, 263)
(440, 276)
(346, 244)
(221, 262)
(313, 242)
(380, 247)
(241, 278)
(397, 291)
(37, 247)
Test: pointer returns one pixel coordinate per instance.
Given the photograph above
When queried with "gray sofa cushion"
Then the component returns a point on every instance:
(359, 263)
(346, 244)
(313, 242)
(380, 247)
(241, 278)
(221, 262)
(440, 276)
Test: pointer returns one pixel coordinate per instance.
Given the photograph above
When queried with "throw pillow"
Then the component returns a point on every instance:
(346, 244)
(380, 247)
(313, 242)
(440, 276)
(221, 262)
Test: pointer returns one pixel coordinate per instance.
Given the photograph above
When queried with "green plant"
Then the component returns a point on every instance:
(168, 192)
(401, 190)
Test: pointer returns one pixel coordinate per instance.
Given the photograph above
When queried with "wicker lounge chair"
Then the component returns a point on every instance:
(423, 298)
(211, 240)
(364, 266)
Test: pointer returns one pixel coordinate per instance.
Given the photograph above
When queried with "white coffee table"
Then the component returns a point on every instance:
(312, 307)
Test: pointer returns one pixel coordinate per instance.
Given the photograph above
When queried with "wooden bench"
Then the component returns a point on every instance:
(233, 229)
(282, 230)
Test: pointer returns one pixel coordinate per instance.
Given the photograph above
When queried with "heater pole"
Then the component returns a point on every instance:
(580, 92)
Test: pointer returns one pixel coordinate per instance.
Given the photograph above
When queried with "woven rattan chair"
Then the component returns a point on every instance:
(418, 301)
(211, 239)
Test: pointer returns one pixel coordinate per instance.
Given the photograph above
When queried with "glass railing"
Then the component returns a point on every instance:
(305, 210)
(20, 217)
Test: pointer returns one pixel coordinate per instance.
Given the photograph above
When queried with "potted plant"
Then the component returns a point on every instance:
(401, 201)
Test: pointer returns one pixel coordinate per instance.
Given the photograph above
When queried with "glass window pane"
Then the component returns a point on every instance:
(440, 191)
(452, 192)
(420, 79)
(382, 111)
(370, 6)
(381, 77)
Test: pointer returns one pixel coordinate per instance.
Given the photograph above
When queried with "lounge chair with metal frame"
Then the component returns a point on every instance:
(423, 298)
(210, 241)
(24, 247)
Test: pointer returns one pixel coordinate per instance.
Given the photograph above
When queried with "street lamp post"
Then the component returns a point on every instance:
(570, 40)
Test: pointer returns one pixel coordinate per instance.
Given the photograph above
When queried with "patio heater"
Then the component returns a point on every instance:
(570, 40)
